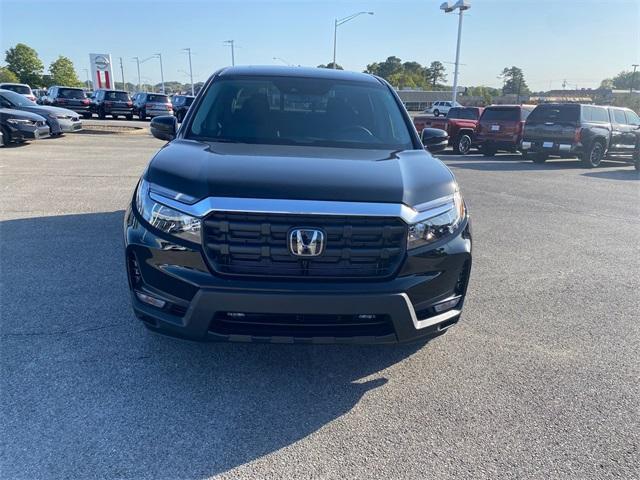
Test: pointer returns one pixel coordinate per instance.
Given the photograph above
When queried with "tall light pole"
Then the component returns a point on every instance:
(159, 55)
(339, 22)
(461, 5)
(86, 71)
(137, 59)
(231, 43)
(633, 77)
(122, 74)
(188, 50)
(155, 55)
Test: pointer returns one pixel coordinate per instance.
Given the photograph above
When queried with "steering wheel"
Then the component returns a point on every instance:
(357, 129)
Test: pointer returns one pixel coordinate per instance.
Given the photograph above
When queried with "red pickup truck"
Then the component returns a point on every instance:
(460, 124)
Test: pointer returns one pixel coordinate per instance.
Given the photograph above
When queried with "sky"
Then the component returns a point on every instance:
(582, 41)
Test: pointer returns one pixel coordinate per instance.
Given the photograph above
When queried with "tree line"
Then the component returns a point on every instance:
(23, 65)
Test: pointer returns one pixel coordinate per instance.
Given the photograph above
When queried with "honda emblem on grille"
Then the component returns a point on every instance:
(306, 242)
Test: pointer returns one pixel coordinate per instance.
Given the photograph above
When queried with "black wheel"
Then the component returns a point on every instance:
(436, 112)
(462, 145)
(101, 114)
(539, 158)
(6, 136)
(115, 117)
(130, 117)
(142, 115)
(87, 115)
(594, 154)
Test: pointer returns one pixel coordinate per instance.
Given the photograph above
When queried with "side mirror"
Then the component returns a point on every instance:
(164, 127)
(434, 139)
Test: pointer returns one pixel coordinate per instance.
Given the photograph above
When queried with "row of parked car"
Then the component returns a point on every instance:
(107, 102)
(591, 133)
(21, 119)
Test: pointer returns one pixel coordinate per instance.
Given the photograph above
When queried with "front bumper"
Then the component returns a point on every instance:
(32, 132)
(199, 305)
(69, 126)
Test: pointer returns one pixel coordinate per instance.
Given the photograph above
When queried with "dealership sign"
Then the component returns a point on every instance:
(101, 72)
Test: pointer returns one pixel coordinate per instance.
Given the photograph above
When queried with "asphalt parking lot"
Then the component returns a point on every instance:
(539, 380)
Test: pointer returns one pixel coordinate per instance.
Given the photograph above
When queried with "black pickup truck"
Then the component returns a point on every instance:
(297, 205)
(590, 132)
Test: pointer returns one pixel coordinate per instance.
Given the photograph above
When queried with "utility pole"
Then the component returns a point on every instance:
(188, 50)
(460, 5)
(137, 59)
(124, 87)
(161, 72)
(86, 71)
(230, 43)
(633, 77)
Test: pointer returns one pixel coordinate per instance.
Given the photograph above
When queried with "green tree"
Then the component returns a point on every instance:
(329, 65)
(392, 65)
(63, 73)
(514, 81)
(622, 81)
(435, 74)
(24, 62)
(606, 84)
(7, 75)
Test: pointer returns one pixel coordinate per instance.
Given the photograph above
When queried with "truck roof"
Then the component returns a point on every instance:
(307, 72)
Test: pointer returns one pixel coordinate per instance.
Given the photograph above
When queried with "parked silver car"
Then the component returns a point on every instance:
(60, 120)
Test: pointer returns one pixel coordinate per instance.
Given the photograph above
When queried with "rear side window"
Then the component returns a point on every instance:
(632, 118)
(555, 114)
(618, 116)
(73, 93)
(595, 114)
(21, 89)
(188, 101)
(463, 113)
(501, 114)
(158, 98)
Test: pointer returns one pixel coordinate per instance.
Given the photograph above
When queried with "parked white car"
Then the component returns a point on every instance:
(21, 88)
(441, 108)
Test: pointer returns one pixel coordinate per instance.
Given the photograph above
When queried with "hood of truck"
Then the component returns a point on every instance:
(203, 170)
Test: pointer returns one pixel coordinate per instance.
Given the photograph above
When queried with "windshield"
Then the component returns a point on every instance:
(73, 93)
(121, 96)
(16, 100)
(301, 111)
(501, 114)
(555, 113)
(463, 113)
(22, 89)
(158, 98)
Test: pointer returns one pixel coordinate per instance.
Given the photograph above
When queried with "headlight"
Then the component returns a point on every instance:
(164, 218)
(60, 116)
(444, 221)
(20, 121)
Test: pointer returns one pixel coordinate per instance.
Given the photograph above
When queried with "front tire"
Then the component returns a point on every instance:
(87, 115)
(130, 117)
(6, 137)
(101, 114)
(489, 151)
(594, 155)
(436, 113)
(142, 115)
(115, 117)
(462, 145)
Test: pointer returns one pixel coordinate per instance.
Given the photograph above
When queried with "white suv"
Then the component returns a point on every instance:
(438, 108)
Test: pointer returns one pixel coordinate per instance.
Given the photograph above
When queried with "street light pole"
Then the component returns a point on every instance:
(161, 72)
(633, 77)
(86, 71)
(460, 5)
(122, 74)
(230, 43)
(137, 59)
(336, 24)
(188, 50)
